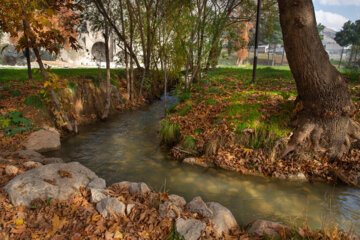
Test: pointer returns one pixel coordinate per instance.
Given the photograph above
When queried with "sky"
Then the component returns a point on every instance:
(334, 13)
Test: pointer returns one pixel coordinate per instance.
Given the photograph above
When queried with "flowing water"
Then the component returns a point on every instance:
(127, 147)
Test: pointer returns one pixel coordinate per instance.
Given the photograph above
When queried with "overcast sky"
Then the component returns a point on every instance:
(334, 13)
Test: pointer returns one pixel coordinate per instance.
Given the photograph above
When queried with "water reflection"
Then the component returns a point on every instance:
(127, 148)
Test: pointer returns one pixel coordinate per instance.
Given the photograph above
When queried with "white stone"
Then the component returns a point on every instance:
(110, 206)
(43, 140)
(35, 184)
(11, 170)
(96, 195)
(129, 208)
(193, 161)
(222, 218)
(190, 229)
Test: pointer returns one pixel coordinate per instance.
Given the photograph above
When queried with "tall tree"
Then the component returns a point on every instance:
(99, 24)
(325, 119)
(40, 23)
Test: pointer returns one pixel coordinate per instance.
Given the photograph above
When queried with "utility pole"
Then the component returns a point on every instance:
(256, 40)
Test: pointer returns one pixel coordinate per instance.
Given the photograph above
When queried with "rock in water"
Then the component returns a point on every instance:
(197, 205)
(110, 206)
(190, 229)
(222, 218)
(47, 182)
(43, 140)
(267, 228)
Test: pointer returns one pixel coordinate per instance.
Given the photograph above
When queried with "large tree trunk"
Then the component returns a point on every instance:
(324, 122)
(105, 114)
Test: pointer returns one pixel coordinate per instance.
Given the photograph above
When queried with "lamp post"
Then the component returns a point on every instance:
(256, 40)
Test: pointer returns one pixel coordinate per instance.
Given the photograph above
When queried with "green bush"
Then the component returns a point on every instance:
(14, 122)
(169, 132)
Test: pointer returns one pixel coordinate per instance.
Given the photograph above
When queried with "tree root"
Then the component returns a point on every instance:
(325, 136)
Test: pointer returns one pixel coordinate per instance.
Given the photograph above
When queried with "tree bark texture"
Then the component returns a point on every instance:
(325, 119)
(108, 83)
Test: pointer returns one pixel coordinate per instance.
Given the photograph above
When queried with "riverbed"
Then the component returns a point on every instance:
(127, 147)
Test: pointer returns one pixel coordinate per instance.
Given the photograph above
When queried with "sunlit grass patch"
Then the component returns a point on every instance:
(169, 132)
(188, 106)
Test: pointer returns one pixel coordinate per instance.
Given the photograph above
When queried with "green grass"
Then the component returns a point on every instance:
(169, 132)
(20, 74)
(189, 143)
(34, 100)
(186, 109)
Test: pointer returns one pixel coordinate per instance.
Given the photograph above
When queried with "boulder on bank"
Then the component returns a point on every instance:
(197, 205)
(134, 187)
(222, 218)
(266, 228)
(190, 229)
(22, 154)
(97, 182)
(44, 140)
(177, 200)
(56, 181)
(110, 206)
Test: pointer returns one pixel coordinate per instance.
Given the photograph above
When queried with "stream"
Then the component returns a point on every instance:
(127, 147)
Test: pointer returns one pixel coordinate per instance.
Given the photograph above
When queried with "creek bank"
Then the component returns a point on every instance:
(126, 209)
(82, 98)
(224, 121)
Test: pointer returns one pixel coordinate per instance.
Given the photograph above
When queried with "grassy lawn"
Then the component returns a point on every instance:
(228, 121)
(20, 74)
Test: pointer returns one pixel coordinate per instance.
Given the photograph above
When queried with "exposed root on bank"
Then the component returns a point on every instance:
(324, 136)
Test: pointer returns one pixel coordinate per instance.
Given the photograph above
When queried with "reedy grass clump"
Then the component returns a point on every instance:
(169, 132)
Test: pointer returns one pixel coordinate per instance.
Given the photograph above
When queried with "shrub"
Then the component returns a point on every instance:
(14, 122)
